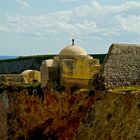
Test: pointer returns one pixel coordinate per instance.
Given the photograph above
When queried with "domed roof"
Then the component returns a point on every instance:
(73, 50)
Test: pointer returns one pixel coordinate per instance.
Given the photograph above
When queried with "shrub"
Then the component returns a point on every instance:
(74, 88)
(91, 92)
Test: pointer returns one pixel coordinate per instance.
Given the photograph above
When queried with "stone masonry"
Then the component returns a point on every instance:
(121, 67)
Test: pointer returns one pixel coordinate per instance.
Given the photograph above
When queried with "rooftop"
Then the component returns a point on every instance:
(73, 50)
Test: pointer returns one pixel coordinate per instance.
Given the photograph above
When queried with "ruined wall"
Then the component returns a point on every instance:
(11, 78)
(113, 116)
(121, 67)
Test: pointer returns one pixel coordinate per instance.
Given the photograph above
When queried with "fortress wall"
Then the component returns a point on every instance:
(121, 67)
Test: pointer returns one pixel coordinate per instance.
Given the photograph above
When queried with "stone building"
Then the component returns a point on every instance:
(27, 76)
(31, 76)
(72, 66)
(121, 67)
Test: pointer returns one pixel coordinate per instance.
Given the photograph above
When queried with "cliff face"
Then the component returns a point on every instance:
(4, 105)
(113, 116)
(34, 114)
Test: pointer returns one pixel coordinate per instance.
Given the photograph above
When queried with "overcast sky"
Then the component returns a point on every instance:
(30, 27)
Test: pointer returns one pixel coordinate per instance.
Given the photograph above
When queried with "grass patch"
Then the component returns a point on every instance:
(123, 88)
(30, 86)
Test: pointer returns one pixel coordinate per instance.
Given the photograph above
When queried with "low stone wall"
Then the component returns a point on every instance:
(11, 78)
(121, 67)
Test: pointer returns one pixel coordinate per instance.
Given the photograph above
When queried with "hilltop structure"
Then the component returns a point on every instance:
(121, 67)
(72, 66)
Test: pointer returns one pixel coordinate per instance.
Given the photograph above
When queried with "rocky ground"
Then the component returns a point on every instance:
(37, 115)
(113, 116)
(33, 114)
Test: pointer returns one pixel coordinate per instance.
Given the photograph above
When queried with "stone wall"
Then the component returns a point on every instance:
(18, 78)
(31, 76)
(77, 71)
(121, 67)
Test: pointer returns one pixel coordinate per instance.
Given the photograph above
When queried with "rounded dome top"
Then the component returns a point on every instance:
(73, 50)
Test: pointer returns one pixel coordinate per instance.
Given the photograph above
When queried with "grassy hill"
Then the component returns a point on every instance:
(44, 57)
(22, 63)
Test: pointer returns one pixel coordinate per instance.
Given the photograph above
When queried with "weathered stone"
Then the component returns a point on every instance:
(40, 115)
(4, 106)
(31, 76)
(115, 117)
(71, 67)
(121, 67)
(8, 78)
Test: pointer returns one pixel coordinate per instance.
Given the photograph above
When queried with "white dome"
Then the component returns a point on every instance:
(73, 50)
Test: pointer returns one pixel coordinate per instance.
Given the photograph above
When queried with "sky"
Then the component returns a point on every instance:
(36, 27)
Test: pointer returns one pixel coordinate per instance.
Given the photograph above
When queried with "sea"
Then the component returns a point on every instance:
(3, 57)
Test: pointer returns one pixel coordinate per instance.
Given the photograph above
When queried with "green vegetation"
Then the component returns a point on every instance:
(44, 57)
(129, 88)
(38, 57)
(99, 56)
(30, 86)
